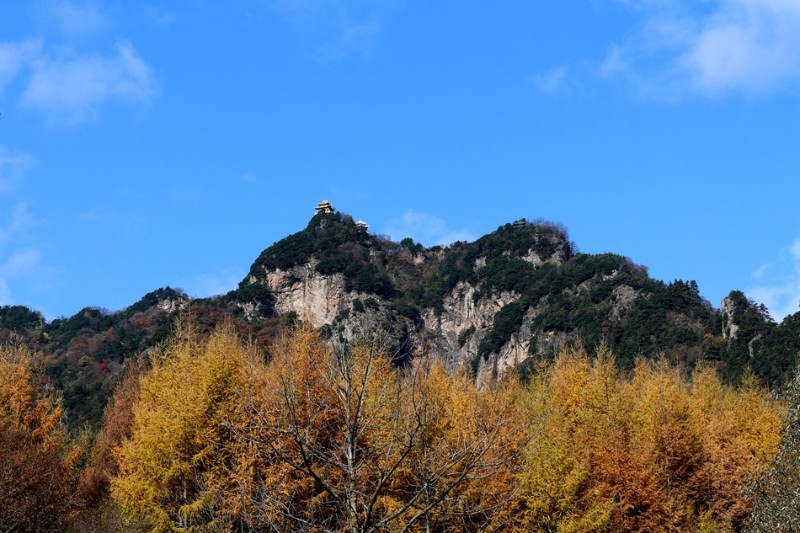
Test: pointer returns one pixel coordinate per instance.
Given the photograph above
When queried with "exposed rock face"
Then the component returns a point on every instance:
(308, 293)
(453, 332)
(519, 348)
(624, 296)
(465, 322)
(511, 355)
(729, 327)
(561, 254)
(323, 300)
(170, 305)
(453, 335)
(249, 309)
(745, 325)
(752, 345)
(463, 313)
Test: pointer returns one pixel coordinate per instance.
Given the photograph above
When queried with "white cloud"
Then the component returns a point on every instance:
(750, 46)
(761, 271)
(14, 56)
(76, 87)
(780, 292)
(115, 219)
(68, 77)
(20, 259)
(215, 284)
(160, 18)
(16, 260)
(74, 19)
(426, 228)
(353, 39)
(340, 28)
(5, 293)
(616, 63)
(551, 81)
(12, 165)
(19, 264)
(21, 220)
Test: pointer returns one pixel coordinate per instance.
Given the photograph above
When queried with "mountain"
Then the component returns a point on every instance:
(494, 306)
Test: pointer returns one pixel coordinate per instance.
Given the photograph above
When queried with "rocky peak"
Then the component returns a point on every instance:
(729, 326)
(515, 294)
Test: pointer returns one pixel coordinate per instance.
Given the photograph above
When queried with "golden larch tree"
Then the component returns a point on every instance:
(38, 471)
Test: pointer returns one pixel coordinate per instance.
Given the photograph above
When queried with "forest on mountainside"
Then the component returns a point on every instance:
(549, 294)
(635, 405)
(212, 433)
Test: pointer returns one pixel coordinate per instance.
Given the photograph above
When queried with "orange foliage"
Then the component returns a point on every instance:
(316, 438)
(349, 440)
(38, 468)
(323, 437)
(659, 452)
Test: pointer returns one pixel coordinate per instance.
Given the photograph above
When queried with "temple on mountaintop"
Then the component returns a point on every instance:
(324, 207)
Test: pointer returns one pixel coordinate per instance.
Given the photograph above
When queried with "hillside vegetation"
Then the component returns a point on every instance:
(543, 291)
(359, 384)
(216, 435)
(557, 292)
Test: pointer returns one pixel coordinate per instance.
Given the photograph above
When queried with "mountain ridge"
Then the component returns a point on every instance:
(492, 306)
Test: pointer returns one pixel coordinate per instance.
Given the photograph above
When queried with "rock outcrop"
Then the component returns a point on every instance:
(729, 326)
(312, 296)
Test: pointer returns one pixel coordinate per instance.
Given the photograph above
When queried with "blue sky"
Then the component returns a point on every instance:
(145, 144)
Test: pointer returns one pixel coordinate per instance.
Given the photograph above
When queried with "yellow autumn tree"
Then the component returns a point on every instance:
(740, 431)
(101, 514)
(173, 470)
(323, 437)
(38, 472)
(314, 437)
(348, 441)
(462, 470)
(664, 440)
(660, 451)
(559, 492)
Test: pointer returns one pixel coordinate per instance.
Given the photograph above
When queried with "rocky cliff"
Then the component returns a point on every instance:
(513, 296)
